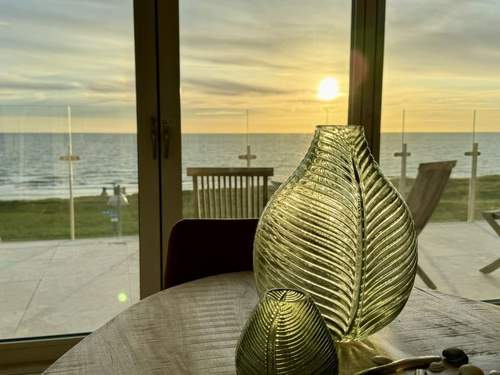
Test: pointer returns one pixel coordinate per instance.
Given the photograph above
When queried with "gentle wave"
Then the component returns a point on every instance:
(30, 167)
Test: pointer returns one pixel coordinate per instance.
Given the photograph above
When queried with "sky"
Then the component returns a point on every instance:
(264, 58)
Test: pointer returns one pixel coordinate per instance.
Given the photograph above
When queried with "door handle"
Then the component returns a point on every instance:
(154, 136)
(165, 129)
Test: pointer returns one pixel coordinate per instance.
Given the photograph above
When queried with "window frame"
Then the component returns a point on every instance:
(156, 30)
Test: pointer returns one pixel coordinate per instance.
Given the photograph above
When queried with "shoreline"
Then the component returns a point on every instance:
(394, 180)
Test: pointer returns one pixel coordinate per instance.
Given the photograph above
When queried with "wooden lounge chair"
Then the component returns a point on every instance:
(229, 192)
(425, 195)
(491, 218)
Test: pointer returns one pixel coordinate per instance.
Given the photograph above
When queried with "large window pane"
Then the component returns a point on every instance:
(68, 166)
(251, 74)
(441, 95)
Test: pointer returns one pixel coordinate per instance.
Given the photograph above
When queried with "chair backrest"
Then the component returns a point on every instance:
(204, 247)
(427, 190)
(229, 192)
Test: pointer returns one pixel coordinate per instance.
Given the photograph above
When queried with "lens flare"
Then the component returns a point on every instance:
(122, 297)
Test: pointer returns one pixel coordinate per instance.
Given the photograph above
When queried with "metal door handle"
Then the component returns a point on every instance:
(165, 138)
(154, 136)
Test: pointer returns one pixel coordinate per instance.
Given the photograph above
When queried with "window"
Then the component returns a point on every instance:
(441, 91)
(256, 78)
(68, 166)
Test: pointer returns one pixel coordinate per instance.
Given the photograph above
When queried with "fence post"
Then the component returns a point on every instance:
(248, 156)
(70, 158)
(404, 155)
(471, 206)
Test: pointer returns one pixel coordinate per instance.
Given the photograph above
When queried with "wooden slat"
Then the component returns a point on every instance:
(226, 200)
(195, 196)
(241, 196)
(209, 198)
(219, 187)
(264, 193)
(202, 197)
(214, 203)
(258, 196)
(230, 197)
(247, 202)
(252, 197)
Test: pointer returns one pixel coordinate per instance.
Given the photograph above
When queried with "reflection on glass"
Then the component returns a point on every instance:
(68, 166)
(440, 103)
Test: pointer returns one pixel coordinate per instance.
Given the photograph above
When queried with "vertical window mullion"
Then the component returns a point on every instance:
(366, 68)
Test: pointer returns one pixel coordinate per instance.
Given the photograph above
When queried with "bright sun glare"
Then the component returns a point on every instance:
(328, 89)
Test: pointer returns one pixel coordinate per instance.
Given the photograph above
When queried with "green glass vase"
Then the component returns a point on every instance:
(339, 231)
(286, 335)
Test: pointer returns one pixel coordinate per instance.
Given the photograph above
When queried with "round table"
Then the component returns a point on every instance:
(193, 329)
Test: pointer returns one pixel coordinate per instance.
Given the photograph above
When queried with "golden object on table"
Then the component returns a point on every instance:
(339, 231)
(286, 335)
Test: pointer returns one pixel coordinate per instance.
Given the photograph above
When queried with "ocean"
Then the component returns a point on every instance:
(30, 167)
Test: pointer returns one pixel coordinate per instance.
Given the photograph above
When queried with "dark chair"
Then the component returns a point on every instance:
(424, 197)
(204, 247)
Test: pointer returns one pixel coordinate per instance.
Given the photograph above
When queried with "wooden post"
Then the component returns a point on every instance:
(70, 158)
(248, 156)
(404, 155)
(473, 178)
(70, 175)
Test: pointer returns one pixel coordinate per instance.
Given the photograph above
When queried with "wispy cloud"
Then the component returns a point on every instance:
(36, 85)
(230, 88)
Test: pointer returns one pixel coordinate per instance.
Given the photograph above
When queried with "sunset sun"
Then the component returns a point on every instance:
(328, 89)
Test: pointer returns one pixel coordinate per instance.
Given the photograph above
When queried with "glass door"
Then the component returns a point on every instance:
(69, 243)
(440, 103)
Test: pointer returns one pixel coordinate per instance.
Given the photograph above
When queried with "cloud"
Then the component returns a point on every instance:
(230, 88)
(110, 86)
(443, 38)
(37, 85)
(237, 60)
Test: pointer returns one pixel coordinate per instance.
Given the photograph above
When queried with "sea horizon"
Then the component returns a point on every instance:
(30, 165)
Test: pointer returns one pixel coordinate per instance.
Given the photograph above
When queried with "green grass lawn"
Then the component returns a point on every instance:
(453, 204)
(49, 218)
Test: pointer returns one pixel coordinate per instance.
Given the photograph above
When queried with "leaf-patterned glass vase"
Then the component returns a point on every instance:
(286, 335)
(339, 231)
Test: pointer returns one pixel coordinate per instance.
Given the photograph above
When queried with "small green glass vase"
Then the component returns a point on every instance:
(286, 335)
(339, 231)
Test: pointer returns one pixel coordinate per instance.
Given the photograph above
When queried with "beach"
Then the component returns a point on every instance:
(34, 190)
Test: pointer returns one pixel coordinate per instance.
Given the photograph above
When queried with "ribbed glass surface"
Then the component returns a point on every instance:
(338, 230)
(286, 335)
